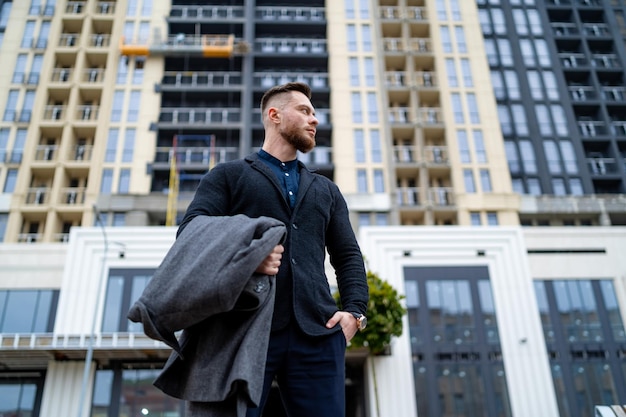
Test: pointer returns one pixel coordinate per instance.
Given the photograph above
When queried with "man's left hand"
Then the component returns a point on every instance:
(347, 322)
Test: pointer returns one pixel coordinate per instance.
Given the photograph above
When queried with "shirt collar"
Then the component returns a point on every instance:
(275, 161)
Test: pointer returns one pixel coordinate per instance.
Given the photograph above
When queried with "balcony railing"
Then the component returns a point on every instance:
(46, 152)
(396, 13)
(62, 75)
(54, 112)
(565, 29)
(407, 196)
(583, 93)
(441, 196)
(202, 79)
(411, 154)
(592, 128)
(573, 60)
(105, 7)
(436, 197)
(290, 46)
(207, 12)
(81, 153)
(413, 45)
(69, 40)
(605, 61)
(29, 237)
(196, 155)
(420, 79)
(37, 195)
(289, 14)
(92, 75)
(603, 166)
(73, 195)
(178, 115)
(596, 29)
(75, 7)
(612, 93)
(618, 128)
(87, 112)
(314, 79)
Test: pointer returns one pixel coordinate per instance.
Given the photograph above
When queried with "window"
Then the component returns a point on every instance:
(372, 107)
(472, 108)
(138, 72)
(124, 182)
(118, 104)
(498, 85)
(131, 8)
(505, 120)
(446, 42)
(534, 82)
(20, 69)
(4, 220)
(353, 64)
(569, 156)
(364, 9)
(519, 118)
(35, 69)
(357, 111)
(468, 180)
(512, 84)
(479, 146)
(485, 21)
(499, 25)
(381, 219)
(349, 9)
(361, 179)
(10, 181)
(4, 143)
(119, 219)
(455, 10)
(370, 73)
(111, 149)
(379, 181)
(375, 146)
(11, 107)
(475, 218)
(352, 41)
(21, 394)
(124, 287)
(558, 186)
(27, 106)
(29, 34)
(492, 219)
(146, 8)
(543, 120)
(366, 32)
(464, 150)
(5, 12)
(552, 90)
(466, 70)
(534, 186)
(528, 156)
(506, 56)
(18, 146)
(520, 22)
(457, 108)
(133, 106)
(44, 33)
(107, 181)
(122, 70)
(552, 157)
(492, 54)
(560, 122)
(576, 186)
(461, 44)
(528, 53)
(359, 145)
(143, 35)
(129, 145)
(485, 181)
(451, 72)
(364, 219)
(28, 311)
(542, 53)
(441, 10)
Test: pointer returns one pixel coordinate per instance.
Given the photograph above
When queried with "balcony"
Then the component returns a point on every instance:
(290, 46)
(54, 112)
(62, 75)
(618, 128)
(322, 115)
(441, 197)
(583, 93)
(206, 12)
(407, 196)
(431, 155)
(204, 116)
(46, 153)
(69, 40)
(268, 80)
(608, 61)
(75, 7)
(596, 30)
(614, 93)
(87, 113)
(600, 165)
(105, 8)
(37, 196)
(187, 157)
(290, 14)
(73, 195)
(201, 79)
(592, 128)
(92, 75)
(81, 153)
(29, 237)
(565, 29)
(573, 60)
(419, 79)
(413, 45)
(99, 40)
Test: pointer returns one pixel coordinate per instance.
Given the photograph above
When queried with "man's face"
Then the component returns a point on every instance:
(298, 124)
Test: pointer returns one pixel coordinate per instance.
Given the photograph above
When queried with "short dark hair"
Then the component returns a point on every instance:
(284, 88)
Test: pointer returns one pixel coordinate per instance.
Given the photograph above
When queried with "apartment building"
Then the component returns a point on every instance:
(455, 113)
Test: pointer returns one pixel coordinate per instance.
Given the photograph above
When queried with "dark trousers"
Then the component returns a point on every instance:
(310, 372)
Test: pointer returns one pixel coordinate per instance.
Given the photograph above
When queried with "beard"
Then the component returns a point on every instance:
(298, 140)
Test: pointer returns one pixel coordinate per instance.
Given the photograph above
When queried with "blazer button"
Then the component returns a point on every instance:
(294, 226)
(293, 261)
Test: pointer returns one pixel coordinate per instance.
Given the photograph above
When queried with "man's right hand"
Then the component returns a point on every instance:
(270, 265)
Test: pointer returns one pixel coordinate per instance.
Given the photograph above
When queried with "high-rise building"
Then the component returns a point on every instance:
(507, 113)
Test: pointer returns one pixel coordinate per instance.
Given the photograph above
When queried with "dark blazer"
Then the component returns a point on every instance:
(318, 222)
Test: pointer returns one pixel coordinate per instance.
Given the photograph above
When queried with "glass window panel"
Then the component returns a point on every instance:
(131, 7)
(492, 55)
(113, 304)
(552, 90)
(10, 181)
(492, 219)
(528, 156)
(379, 183)
(146, 7)
(520, 22)
(370, 73)
(512, 84)
(461, 44)
(353, 64)
(107, 181)
(122, 70)
(19, 316)
(534, 186)
(498, 85)
(505, 120)
(446, 41)
(42, 313)
(29, 34)
(466, 70)
(153, 400)
(361, 178)
(457, 108)
(499, 24)
(512, 156)
(139, 283)
(366, 32)
(543, 120)
(560, 122)
(442, 14)
(485, 21)
(468, 180)
(372, 107)
(485, 181)
(558, 186)
(479, 146)
(464, 150)
(359, 145)
(375, 145)
(129, 145)
(124, 182)
(475, 219)
(543, 54)
(451, 72)
(357, 111)
(133, 106)
(381, 219)
(611, 306)
(364, 219)
(552, 156)
(118, 104)
(102, 393)
(111, 149)
(364, 9)
(455, 10)
(519, 119)
(535, 22)
(472, 108)
(352, 41)
(576, 186)
(528, 53)
(534, 82)
(349, 9)
(506, 56)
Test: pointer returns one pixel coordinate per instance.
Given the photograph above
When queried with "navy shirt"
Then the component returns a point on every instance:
(287, 173)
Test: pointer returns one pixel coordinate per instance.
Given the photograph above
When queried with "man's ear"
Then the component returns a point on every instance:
(273, 114)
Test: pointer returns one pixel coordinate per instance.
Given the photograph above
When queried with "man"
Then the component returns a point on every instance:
(306, 351)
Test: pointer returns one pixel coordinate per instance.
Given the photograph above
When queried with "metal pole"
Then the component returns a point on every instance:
(89, 356)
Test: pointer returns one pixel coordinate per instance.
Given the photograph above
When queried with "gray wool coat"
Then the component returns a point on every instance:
(206, 286)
